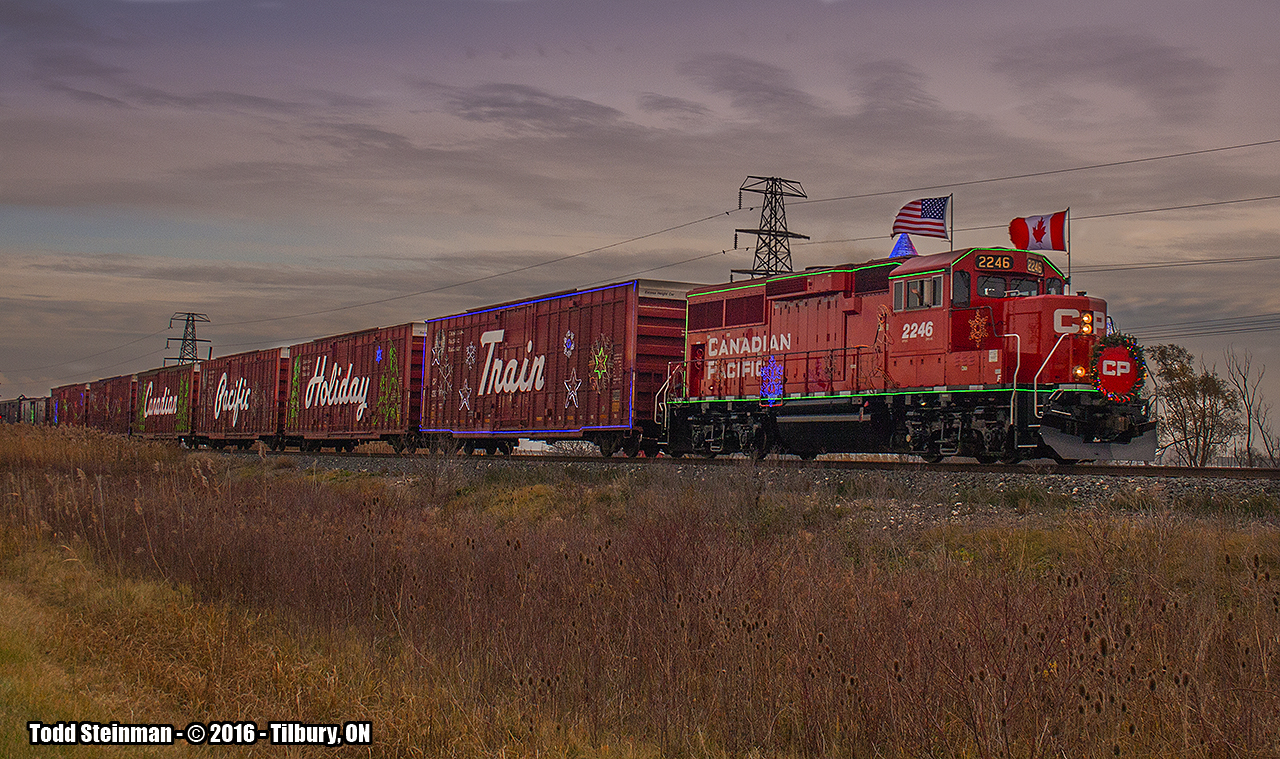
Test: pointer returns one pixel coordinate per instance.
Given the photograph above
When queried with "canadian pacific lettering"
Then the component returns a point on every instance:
(233, 398)
(741, 346)
(164, 404)
(337, 387)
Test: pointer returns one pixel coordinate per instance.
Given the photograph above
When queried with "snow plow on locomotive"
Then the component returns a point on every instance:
(977, 352)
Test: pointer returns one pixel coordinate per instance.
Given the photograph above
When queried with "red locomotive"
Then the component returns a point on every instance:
(976, 352)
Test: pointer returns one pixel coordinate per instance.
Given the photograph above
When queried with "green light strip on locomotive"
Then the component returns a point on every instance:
(1007, 250)
(919, 273)
(1045, 389)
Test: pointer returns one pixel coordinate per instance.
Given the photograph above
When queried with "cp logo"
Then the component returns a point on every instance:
(1113, 368)
(1117, 373)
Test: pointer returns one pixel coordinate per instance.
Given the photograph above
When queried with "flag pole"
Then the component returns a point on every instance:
(951, 202)
(1067, 224)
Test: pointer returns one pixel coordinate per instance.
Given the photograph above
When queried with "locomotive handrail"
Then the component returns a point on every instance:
(660, 397)
(1013, 394)
(1035, 382)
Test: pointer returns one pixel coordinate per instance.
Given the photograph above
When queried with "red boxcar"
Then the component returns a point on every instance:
(584, 364)
(109, 404)
(243, 398)
(11, 411)
(357, 387)
(165, 401)
(67, 404)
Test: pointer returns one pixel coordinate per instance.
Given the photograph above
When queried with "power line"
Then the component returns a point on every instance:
(91, 355)
(1046, 173)
(987, 180)
(899, 191)
(1074, 217)
(1209, 327)
(485, 278)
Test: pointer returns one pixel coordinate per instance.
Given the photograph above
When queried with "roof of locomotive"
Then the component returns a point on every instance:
(932, 262)
(903, 266)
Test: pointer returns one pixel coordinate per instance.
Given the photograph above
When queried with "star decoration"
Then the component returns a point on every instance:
(571, 386)
(464, 395)
(601, 357)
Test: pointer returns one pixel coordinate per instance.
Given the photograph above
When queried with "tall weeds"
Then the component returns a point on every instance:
(713, 617)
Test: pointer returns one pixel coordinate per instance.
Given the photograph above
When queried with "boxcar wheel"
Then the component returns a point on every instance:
(608, 445)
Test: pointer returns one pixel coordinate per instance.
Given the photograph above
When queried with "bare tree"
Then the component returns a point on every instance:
(1199, 412)
(1248, 393)
(1269, 440)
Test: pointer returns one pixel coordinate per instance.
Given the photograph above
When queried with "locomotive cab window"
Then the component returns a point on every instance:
(991, 287)
(1021, 287)
(1010, 287)
(960, 288)
(1053, 286)
(917, 293)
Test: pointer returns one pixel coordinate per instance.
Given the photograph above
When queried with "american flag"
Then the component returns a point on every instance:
(926, 216)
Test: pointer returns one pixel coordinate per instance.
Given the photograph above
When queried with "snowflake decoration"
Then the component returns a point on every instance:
(464, 396)
(471, 355)
(978, 327)
(568, 344)
(771, 380)
(437, 350)
(571, 386)
(601, 357)
(443, 384)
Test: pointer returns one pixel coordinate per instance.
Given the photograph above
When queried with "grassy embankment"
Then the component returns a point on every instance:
(564, 613)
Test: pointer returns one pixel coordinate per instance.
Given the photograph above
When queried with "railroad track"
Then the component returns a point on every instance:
(1038, 467)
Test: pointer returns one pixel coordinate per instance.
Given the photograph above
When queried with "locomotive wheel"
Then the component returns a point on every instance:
(762, 445)
(931, 457)
(504, 447)
(468, 447)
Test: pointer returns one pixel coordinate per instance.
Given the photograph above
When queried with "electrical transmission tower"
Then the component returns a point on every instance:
(187, 350)
(773, 239)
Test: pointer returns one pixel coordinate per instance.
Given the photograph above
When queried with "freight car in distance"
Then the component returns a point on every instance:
(576, 365)
(24, 410)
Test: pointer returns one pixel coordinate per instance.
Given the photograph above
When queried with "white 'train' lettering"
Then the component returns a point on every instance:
(514, 375)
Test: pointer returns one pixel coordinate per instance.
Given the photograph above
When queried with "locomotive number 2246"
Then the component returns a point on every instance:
(917, 329)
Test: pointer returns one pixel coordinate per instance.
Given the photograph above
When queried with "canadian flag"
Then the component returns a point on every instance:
(1047, 232)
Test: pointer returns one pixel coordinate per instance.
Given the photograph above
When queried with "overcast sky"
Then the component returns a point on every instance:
(256, 160)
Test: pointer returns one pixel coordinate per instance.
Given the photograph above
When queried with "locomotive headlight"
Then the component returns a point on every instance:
(1086, 323)
(1080, 371)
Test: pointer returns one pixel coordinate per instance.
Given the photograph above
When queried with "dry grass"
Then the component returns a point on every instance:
(645, 614)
